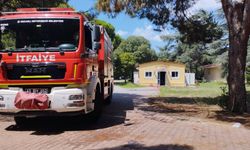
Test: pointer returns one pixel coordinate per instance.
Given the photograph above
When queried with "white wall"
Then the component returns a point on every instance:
(136, 77)
(190, 79)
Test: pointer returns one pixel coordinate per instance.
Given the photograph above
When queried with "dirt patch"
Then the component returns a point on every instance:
(187, 108)
(192, 108)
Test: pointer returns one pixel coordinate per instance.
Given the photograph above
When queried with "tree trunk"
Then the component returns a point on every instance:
(238, 17)
(236, 78)
(132, 77)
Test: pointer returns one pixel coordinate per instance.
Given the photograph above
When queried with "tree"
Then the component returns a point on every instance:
(127, 64)
(134, 50)
(140, 47)
(194, 56)
(164, 54)
(11, 5)
(201, 28)
(237, 13)
(169, 48)
(117, 41)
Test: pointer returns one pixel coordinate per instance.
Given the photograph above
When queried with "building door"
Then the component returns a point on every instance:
(162, 78)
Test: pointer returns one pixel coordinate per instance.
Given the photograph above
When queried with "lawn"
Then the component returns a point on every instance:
(213, 89)
(128, 85)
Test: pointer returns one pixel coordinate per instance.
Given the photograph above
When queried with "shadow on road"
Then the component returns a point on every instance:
(157, 147)
(114, 114)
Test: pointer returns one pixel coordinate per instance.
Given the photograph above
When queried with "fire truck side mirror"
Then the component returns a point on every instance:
(96, 33)
(1, 56)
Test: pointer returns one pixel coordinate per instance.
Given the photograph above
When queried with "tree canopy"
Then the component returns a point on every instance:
(130, 52)
(11, 5)
(159, 12)
(202, 27)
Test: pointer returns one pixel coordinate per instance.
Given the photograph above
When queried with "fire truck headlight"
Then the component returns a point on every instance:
(76, 97)
(1, 98)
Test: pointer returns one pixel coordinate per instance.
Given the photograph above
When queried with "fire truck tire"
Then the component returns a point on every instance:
(94, 116)
(20, 121)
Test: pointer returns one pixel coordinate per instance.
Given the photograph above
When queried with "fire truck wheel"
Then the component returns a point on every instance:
(94, 116)
(20, 121)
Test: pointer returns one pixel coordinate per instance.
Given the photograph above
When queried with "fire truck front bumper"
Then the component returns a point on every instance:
(61, 101)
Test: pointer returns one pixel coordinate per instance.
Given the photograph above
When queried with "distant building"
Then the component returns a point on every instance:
(161, 73)
(213, 72)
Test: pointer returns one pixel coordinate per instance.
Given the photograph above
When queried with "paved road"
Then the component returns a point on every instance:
(127, 123)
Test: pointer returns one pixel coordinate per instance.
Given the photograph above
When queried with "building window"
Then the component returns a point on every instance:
(148, 74)
(175, 74)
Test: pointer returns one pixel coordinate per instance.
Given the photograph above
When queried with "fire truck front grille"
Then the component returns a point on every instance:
(36, 71)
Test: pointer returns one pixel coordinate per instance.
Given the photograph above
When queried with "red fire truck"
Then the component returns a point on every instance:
(53, 61)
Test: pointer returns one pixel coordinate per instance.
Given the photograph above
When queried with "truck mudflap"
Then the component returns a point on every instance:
(60, 101)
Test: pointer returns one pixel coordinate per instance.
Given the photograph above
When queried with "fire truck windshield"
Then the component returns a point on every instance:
(39, 35)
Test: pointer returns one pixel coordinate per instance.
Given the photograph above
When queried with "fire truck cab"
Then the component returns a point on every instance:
(53, 61)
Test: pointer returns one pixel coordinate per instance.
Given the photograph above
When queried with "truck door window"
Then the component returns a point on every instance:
(88, 37)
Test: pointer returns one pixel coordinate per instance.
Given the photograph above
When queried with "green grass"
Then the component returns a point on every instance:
(204, 93)
(212, 89)
(129, 85)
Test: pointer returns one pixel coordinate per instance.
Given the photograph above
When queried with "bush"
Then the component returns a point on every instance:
(248, 74)
(224, 97)
(248, 78)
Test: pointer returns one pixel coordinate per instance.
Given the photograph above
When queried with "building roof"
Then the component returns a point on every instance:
(160, 62)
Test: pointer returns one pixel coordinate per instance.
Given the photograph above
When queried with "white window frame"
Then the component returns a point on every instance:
(148, 76)
(178, 73)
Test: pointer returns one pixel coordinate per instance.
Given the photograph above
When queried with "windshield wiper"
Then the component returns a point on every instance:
(44, 49)
(11, 50)
(26, 49)
(33, 49)
(4, 50)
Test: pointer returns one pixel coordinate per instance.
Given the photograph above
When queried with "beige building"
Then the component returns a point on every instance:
(213, 72)
(161, 73)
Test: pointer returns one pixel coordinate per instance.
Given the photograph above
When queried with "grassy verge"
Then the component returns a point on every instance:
(129, 85)
(203, 101)
(213, 89)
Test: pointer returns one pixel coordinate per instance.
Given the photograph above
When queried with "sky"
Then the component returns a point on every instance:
(126, 26)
